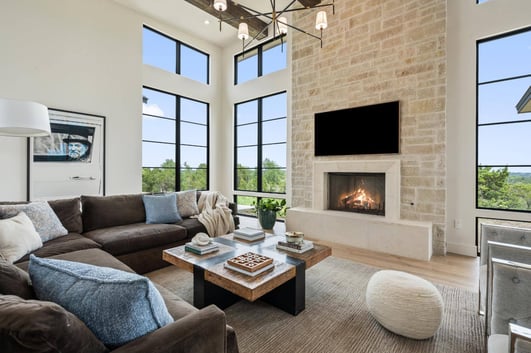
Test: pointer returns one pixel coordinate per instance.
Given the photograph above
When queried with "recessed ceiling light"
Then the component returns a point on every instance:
(207, 22)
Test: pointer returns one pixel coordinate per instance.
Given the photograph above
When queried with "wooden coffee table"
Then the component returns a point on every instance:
(282, 286)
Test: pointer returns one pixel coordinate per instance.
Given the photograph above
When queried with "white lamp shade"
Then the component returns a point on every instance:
(243, 31)
(282, 25)
(23, 118)
(220, 5)
(320, 20)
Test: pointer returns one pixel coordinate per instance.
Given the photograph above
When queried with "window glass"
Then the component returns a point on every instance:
(193, 156)
(274, 131)
(155, 154)
(193, 178)
(274, 180)
(247, 134)
(260, 146)
(161, 146)
(245, 204)
(194, 64)
(194, 111)
(193, 134)
(274, 106)
(505, 57)
(158, 50)
(497, 100)
(247, 179)
(503, 143)
(274, 58)
(247, 112)
(158, 179)
(274, 156)
(247, 157)
(247, 67)
(261, 60)
(158, 103)
(158, 129)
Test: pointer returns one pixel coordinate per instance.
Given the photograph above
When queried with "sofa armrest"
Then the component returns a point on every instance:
(234, 208)
(204, 331)
(517, 333)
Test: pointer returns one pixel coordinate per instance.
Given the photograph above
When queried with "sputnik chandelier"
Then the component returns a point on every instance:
(276, 19)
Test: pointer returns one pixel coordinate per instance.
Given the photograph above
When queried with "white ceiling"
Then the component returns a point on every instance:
(190, 19)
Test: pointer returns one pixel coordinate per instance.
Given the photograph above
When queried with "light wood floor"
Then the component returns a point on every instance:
(452, 270)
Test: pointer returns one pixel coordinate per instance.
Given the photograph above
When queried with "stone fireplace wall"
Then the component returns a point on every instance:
(377, 51)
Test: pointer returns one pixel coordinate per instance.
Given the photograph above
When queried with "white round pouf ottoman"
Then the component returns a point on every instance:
(404, 304)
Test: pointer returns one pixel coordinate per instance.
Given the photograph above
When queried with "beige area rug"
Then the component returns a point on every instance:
(336, 318)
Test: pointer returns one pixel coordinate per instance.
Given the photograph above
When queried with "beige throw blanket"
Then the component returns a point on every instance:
(215, 213)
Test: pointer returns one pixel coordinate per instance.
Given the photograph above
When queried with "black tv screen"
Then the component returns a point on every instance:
(372, 129)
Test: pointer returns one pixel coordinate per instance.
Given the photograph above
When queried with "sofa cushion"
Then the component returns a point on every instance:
(109, 211)
(94, 256)
(17, 237)
(69, 213)
(187, 203)
(193, 226)
(41, 326)
(41, 214)
(14, 281)
(62, 245)
(117, 306)
(161, 208)
(134, 237)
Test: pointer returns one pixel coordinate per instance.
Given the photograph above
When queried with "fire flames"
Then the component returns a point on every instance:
(357, 199)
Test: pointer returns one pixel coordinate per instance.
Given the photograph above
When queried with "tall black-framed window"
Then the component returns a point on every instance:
(503, 135)
(169, 54)
(260, 132)
(261, 60)
(175, 135)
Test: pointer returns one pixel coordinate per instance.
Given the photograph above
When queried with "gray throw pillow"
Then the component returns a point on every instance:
(46, 222)
(117, 306)
(187, 203)
(161, 208)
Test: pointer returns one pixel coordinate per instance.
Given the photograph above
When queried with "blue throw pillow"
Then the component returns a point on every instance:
(117, 306)
(161, 208)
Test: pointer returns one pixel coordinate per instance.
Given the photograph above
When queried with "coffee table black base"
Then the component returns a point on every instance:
(289, 296)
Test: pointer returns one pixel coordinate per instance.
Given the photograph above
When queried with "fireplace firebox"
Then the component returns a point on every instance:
(357, 192)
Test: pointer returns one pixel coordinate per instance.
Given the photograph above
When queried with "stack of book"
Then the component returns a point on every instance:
(250, 264)
(249, 234)
(201, 249)
(295, 247)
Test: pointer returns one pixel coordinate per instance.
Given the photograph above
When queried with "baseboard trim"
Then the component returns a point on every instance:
(462, 249)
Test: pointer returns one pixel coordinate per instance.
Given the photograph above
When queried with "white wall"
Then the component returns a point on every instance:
(468, 22)
(75, 55)
(86, 56)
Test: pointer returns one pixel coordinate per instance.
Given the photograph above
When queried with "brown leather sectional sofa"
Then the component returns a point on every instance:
(111, 231)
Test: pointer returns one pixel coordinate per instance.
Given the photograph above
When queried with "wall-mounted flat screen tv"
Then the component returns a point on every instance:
(372, 129)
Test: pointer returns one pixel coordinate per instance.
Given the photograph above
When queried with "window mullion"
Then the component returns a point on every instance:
(259, 149)
(177, 143)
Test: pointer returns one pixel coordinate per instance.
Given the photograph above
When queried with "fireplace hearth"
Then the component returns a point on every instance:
(357, 192)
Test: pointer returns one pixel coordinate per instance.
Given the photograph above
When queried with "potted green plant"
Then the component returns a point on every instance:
(267, 209)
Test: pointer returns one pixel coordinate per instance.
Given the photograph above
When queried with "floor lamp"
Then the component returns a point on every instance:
(23, 119)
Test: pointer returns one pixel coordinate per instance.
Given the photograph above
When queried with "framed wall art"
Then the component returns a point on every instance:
(71, 161)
